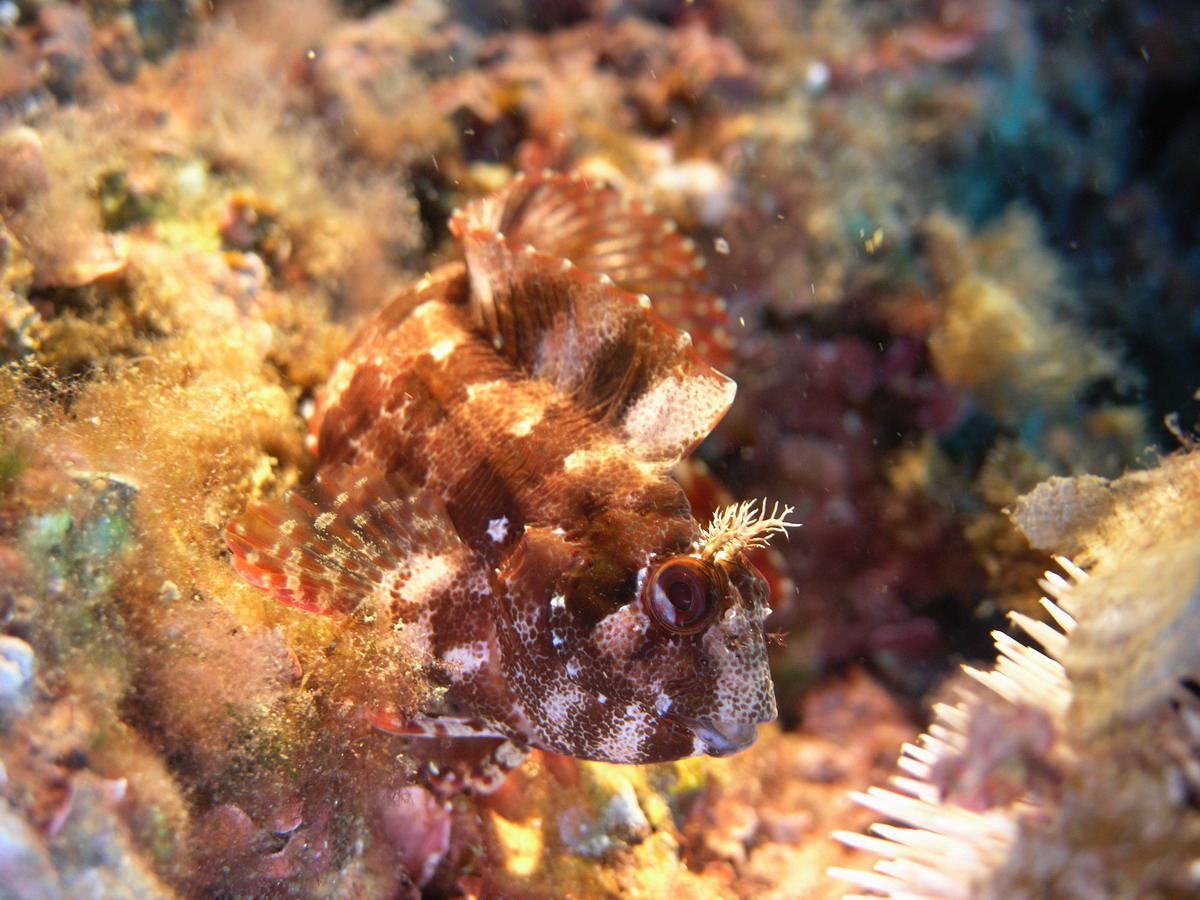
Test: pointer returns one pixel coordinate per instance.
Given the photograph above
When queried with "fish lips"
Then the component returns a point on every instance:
(721, 737)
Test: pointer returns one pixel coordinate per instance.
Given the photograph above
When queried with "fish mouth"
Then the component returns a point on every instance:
(720, 737)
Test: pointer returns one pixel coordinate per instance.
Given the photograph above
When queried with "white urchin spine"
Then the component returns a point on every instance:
(944, 851)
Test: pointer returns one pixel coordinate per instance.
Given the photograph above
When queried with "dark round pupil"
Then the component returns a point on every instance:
(682, 592)
(682, 596)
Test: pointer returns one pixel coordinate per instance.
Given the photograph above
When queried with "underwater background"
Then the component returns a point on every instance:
(958, 244)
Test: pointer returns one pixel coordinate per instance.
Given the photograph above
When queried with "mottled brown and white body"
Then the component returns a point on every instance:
(494, 450)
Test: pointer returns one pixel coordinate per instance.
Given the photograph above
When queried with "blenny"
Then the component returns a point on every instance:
(494, 450)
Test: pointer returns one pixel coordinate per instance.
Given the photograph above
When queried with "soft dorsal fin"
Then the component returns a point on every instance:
(602, 346)
(329, 545)
(602, 231)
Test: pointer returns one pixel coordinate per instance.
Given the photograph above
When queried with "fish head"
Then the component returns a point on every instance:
(664, 622)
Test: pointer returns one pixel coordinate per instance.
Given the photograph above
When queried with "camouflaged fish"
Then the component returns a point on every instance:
(494, 449)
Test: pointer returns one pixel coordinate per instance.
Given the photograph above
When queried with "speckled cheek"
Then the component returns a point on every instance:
(621, 656)
(741, 686)
(618, 642)
(616, 635)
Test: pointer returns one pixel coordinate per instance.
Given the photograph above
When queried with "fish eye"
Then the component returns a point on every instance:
(681, 594)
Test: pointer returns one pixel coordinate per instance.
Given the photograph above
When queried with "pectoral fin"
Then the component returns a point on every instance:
(329, 545)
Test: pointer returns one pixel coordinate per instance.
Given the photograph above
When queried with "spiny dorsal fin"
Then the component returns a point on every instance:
(602, 231)
(329, 545)
(600, 345)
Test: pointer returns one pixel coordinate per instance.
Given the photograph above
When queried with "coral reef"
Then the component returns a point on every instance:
(957, 244)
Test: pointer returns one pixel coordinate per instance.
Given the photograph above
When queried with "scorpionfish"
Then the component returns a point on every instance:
(494, 452)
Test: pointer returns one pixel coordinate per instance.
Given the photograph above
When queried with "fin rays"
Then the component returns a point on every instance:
(601, 231)
(326, 547)
(533, 253)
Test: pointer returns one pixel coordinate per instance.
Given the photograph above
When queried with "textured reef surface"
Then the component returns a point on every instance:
(957, 242)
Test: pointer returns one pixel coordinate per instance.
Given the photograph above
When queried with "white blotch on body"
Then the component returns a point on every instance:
(624, 742)
(466, 658)
(522, 427)
(559, 703)
(421, 578)
(417, 633)
(498, 529)
(441, 349)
